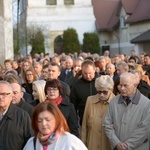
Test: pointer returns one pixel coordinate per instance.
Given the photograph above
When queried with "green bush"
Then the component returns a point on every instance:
(91, 43)
(37, 43)
(70, 41)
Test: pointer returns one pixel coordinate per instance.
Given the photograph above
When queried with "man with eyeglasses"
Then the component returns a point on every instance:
(15, 128)
(128, 118)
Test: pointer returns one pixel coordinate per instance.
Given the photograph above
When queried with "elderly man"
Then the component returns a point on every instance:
(18, 100)
(15, 127)
(67, 73)
(128, 118)
(122, 67)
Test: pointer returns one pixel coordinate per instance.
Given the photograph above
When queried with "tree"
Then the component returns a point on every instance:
(70, 41)
(35, 38)
(91, 43)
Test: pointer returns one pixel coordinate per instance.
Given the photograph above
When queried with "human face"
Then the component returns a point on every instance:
(77, 65)
(5, 96)
(116, 60)
(29, 76)
(25, 66)
(88, 72)
(52, 93)
(102, 63)
(38, 69)
(126, 87)
(53, 72)
(8, 66)
(45, 73)
(104, 93)
(35, 92)
(110, 69)
(17, 93)
(69, 63)
(46, 122)
(147, 60)
(120, 70)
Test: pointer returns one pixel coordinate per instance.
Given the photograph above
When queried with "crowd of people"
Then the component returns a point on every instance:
(75, 102)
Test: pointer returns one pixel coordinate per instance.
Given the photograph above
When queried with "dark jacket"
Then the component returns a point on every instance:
(79, 93)
(66, 88)
(144, 88)
(27, 97)
(15, 129)
(65, 77)
(69, 113)
(35, 102)
(26, 106)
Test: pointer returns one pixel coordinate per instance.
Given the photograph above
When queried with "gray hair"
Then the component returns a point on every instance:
(104, 81)
(124, 65)
(130, 76)
(8, 84)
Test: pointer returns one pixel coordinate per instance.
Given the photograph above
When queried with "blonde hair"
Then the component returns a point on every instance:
(40, 85)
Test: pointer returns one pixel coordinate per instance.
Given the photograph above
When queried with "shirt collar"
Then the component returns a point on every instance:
(134, 98)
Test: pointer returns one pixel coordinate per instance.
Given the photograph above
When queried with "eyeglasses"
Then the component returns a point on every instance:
(4, 94)
(104, 92)
(52, 89)
(29, 74)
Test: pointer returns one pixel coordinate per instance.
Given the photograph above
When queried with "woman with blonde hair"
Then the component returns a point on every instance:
(38, 92)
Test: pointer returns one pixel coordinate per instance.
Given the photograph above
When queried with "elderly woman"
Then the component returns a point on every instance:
(93, 134)
(51, 130)
(56, 94)
(38, 92)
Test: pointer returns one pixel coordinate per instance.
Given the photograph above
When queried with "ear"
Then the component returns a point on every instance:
(136, 85)
(59, 73)
(21, 94)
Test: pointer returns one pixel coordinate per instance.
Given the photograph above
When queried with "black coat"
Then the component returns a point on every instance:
(65, 77)
(144, 88)
(26, 106)
(79, 93)
(15, 129)
(27, 97)
(69, 113)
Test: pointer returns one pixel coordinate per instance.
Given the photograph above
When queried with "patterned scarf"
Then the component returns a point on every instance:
(47, 139)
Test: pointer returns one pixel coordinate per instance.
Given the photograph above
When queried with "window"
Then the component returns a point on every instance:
(69, 2)
(122, 22)
(50, 2)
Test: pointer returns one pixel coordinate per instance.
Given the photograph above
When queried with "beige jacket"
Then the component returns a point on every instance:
(93, 134)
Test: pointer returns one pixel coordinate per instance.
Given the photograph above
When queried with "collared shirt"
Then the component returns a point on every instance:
(1, 116)
(131, 98)
(134, 98)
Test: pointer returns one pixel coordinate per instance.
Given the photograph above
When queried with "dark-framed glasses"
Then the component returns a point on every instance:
(52, 89)
(103, 92)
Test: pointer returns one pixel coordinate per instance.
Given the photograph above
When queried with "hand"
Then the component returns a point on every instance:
(122, 146)
(75, 70)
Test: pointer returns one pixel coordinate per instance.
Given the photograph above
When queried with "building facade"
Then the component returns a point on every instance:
(53, 17)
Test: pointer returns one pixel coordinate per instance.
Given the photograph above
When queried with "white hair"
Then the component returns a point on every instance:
(104, 81)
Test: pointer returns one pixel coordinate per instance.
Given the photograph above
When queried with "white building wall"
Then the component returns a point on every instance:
(57, 18)
(6, 30)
